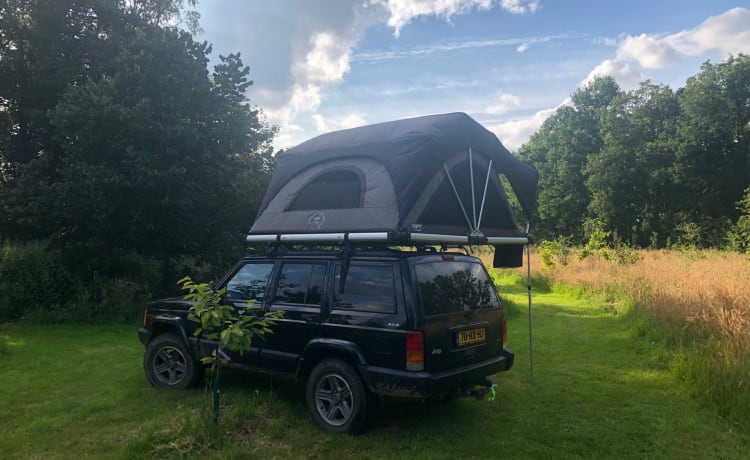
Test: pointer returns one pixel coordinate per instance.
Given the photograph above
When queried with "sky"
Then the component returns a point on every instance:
(324, 65)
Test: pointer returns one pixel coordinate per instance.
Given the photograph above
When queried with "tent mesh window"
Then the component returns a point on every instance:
(337, 189)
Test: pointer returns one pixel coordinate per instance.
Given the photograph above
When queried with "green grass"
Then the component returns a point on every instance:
(600, 391)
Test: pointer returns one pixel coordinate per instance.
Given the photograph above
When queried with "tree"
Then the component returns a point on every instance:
(630, 180)
(560, 151)
(713, 155)
(228, 327)
(135, 148)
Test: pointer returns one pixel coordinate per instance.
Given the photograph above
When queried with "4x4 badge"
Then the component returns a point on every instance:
(316, 219)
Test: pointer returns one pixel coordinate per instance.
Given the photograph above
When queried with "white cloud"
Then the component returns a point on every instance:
(352, 120)
(306, 48)
(627, 77)
(523, 47)
(649, 51)
(504, 103)
(606, 41)
(716, 37)
(402, 12)
(383, 55)
(324, 65)
(289, 135)
(520, 6)
(514, 133)
(723, 34)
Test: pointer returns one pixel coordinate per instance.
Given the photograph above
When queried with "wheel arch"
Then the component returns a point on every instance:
(320, 349)
(162, 324)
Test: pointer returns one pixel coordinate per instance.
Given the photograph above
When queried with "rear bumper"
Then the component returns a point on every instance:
(391, 382)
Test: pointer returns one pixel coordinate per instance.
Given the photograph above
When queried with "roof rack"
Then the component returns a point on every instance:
(395, 238)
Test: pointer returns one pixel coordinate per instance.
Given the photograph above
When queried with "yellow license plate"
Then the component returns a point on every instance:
(470, 336)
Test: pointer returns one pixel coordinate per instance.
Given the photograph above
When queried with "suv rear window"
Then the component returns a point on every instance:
(368, 287)
(453, 286)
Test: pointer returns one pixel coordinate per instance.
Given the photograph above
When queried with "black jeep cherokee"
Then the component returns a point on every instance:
(408, 324)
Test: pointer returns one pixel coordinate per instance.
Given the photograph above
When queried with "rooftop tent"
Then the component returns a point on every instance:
(429, 179)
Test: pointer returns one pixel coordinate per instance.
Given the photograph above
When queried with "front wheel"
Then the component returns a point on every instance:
(168, 363)
(337, 399)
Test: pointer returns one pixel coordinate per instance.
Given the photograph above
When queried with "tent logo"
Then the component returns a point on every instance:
(316, 219)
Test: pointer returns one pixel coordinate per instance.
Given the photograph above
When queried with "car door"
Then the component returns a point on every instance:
(246, 290)
(369, 310)
(299, 292)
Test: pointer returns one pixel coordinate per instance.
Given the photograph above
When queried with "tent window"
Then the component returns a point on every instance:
(338, 189)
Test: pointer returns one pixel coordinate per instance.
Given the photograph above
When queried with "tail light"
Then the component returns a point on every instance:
(505, 332)
(145, 316)
(414, 351)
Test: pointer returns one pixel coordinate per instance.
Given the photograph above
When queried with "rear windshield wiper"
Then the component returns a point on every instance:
(472, 313)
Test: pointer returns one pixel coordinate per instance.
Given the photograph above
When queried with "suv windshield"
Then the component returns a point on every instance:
(452, 287)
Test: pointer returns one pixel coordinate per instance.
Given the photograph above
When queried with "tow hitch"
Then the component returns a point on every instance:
(478, 391)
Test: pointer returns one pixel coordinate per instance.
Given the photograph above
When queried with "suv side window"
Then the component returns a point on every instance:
(301, 283)
(368, 287)
(250, 282)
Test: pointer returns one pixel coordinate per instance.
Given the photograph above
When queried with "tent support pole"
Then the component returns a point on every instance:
(473, 199)
(484, 195)
(458, 197)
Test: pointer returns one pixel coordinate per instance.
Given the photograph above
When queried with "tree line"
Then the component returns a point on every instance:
(653, 166)
(117, 139)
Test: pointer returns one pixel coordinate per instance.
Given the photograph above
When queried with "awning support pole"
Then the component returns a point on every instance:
(528, 287)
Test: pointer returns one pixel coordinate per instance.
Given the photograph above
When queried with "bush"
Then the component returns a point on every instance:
(33, 277)
(38, 285)
(738, 238)
(555, 252)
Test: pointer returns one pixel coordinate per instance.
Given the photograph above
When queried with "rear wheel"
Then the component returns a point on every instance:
(168, 363)
(337, 399)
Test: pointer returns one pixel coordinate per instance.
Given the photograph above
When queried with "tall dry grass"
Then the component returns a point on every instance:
(705, 293)
(698, 300)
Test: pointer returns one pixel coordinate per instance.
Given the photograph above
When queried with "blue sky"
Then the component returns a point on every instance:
(322, 65)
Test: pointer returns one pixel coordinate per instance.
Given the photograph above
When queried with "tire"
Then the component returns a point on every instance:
(337, 399)
(168, 363)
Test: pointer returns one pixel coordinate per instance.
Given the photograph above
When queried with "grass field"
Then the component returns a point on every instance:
(601, 391)
(695, 302)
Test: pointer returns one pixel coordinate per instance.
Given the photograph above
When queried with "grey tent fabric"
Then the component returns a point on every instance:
(413, 175)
